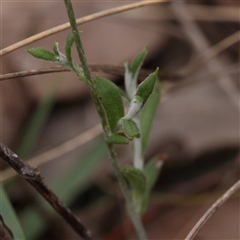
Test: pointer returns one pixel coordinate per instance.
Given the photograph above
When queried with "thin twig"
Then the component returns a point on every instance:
(213, 51)
(110, 69)
(215, 13)
(79, 21)
(201, 44)
(208, 77)
(212, 210)
(33, 177)
(56, 151)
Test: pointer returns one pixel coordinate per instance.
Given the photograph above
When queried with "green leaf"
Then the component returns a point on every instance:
(145, 89)
(137, 62)
(142, 94)
(131, 73)
(111, 100)
(137, 181)
(42, 53)
(147, 115)
(55, 48)
(68, 51)
(152, 171)
(117, 139)
(9, 216)
(68, 48)
(130, 128)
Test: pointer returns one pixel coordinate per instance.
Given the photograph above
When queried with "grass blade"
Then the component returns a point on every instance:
(9, 216)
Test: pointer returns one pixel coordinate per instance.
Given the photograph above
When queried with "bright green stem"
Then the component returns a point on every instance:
(123, 184)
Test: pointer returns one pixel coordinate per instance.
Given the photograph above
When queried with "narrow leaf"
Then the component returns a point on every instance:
(147, 115)
(68, 48)
(152, 171)
(131, 73)
(117, 139)
(110, 97)
(137, 62)
(134, 108)
(130, 128)
(42, 53)
(9, 216)
(55, 48)
(145, 89)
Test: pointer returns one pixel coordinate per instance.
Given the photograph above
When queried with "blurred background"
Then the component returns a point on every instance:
(50, 120)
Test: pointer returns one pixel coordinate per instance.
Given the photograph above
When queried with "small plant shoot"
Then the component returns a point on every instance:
(119, 128)
(59, 58)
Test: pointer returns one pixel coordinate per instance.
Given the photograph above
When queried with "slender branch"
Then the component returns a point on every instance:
(201, 44)
(212, 210)
(29, 73)
(110, 69)
(214, 13)
(213, 51)
(33, 177)
(85, 19)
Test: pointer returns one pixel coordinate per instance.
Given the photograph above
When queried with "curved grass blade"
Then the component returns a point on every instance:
(9, 216)
(152, 171)
(37, 121)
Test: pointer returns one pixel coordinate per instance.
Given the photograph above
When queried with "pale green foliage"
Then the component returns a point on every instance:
(145, 89)
(117, 139)
(9, 216)
(42, 53)
(140, 96)
(59, 58)
(121, 128)
(130, 128)
(111, 100)
(68, 48)
(152, 171)
(137, 181)
(137, 62)
(131, 73)
(147, 115)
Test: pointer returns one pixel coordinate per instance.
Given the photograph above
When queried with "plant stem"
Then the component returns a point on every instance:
(77, 40)
(128, 197)
(123, 184)
(137, 146)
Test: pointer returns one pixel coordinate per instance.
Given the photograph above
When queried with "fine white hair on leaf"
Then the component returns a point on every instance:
(134, 108)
